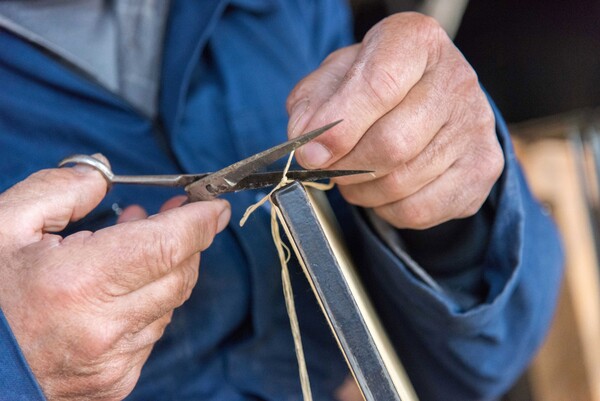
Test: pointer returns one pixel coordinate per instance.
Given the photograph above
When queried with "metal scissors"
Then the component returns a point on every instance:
(239, 176)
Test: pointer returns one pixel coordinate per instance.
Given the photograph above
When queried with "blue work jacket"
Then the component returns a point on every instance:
(228, 68)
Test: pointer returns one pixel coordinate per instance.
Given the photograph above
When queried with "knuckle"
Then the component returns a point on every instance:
(401, 148)
(352, 194)
(410, 214)
(487, 164)
(425, 25)
(416, 217)
(52, 175)
(484, 170)
(40, 180)
(169, 246)
(496, 161)
(487, 119)
(341, 143)
(462, 84)
(385, 44)
(463, 73)
(472, 208)
(378, 72)
(157, 252)
(428, 34)
(189, 283)
(472, 116)
(165, 320)
(421, 25)
(177, 290)
(473, 201)
(393, 182)
(95, 341)
(160, 249)
(380, 81)
(188, 280)
(300, 91)
(181, 283)
(478, 177)
(181, 286)
(166, 252)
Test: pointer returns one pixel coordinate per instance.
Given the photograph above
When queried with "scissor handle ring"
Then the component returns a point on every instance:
(90, 161)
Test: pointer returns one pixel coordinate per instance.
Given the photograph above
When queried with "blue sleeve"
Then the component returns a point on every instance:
(456, 353)
(470, 344)
(16, 380)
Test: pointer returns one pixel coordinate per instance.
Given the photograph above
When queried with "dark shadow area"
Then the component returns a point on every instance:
(536, 58)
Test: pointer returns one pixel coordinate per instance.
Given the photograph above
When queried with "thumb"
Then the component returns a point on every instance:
(48, 200)
(378, 75)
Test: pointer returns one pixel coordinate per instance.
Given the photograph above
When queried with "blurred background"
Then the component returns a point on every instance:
(536, 58)
(540, 62)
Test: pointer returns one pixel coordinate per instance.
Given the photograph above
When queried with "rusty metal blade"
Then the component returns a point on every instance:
(223, 180)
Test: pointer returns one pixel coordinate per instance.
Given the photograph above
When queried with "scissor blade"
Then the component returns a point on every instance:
(224, 179)
(267, 179)
(254, 163)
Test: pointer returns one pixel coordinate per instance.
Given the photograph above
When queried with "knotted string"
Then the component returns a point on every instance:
(284, 256)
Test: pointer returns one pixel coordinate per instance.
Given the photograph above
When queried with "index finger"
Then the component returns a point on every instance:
(393, 58)
(135, 253)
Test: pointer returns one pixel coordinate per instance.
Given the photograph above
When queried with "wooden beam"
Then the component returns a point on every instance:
(568, 365)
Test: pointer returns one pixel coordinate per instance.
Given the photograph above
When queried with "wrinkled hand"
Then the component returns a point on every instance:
(87, 309)
(413, 112)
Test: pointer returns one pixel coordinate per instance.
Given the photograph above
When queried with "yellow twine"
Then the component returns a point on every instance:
(284, 256)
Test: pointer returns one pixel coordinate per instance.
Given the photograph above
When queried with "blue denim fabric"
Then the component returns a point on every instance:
(228, 67)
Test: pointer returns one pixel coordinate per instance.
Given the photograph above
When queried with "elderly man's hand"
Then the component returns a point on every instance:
(87, 309)
(413, 112)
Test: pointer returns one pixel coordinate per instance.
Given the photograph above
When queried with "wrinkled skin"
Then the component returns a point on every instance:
(413, 112)
(87, 309)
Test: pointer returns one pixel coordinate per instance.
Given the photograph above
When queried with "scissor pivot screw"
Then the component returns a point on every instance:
(212, 189)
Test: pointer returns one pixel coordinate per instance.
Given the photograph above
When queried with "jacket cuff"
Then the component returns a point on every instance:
(497, 272)
(16, 379)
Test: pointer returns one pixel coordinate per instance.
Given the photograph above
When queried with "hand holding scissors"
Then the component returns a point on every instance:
(239, 176)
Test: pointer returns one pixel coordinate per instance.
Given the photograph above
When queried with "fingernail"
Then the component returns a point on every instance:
(298, 118)
(224, 218)
(315, 155)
